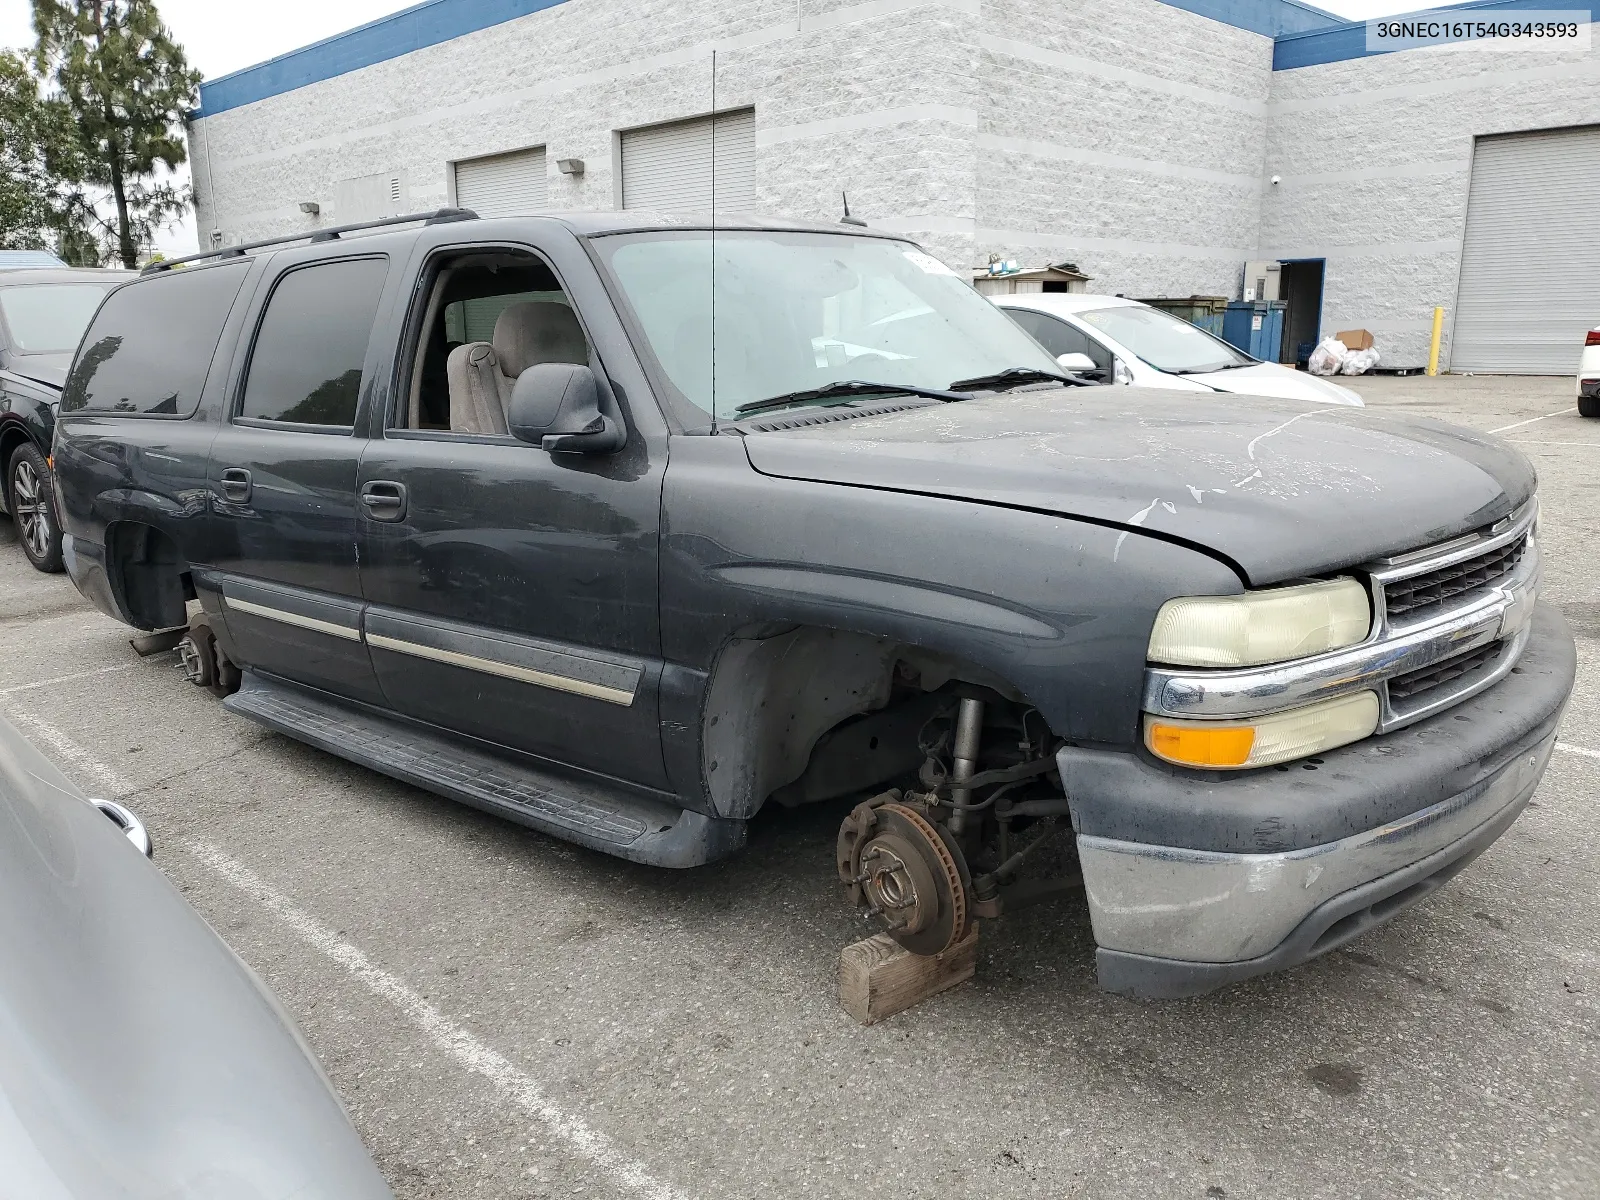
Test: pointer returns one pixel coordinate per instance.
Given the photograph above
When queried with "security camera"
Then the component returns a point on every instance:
(1275, 180)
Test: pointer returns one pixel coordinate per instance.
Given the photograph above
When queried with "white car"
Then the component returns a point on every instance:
(1129, 342)
(1589, 375)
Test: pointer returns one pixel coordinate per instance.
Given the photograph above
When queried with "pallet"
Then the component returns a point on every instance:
(878, 977)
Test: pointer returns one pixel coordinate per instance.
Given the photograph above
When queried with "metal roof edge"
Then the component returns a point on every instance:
(424, 24)
(1270, 18)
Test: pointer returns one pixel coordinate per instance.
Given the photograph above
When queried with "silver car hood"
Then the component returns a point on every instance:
(138, 1056)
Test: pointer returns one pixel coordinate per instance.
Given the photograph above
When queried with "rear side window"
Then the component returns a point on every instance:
(306, 364)
(149, 347)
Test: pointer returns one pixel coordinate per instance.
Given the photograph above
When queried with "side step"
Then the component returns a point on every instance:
(643, 831)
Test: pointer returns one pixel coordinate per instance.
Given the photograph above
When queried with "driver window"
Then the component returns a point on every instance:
(488, 316)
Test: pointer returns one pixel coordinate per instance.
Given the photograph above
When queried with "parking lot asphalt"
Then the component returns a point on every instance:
(507, 1016)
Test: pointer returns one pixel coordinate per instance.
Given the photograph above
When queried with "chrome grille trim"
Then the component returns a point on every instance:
(1496, 613)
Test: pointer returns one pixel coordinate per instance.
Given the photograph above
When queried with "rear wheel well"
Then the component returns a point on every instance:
(149, 575)
(805, 714)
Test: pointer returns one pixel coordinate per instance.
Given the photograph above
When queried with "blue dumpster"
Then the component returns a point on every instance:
(1254, 326)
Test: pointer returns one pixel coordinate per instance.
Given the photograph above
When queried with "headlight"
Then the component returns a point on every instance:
(1261, 627)
(1237, 745)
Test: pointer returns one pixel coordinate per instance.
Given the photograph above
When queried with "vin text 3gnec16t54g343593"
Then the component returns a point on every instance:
(625, 527)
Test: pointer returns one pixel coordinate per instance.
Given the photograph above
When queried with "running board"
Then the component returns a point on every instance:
(641, 830)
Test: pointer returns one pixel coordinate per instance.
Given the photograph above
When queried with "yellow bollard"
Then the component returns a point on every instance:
(1433, 350)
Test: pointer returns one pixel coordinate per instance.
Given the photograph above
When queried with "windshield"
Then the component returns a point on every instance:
(49, 318)
(1166, 342)
(799, 311)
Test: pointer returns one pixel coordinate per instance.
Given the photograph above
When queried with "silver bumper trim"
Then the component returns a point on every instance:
(1205, 906)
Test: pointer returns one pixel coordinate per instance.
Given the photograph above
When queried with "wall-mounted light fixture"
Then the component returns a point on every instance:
(310, 207)
(570, 166)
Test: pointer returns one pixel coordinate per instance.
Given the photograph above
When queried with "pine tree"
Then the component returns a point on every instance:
(119, 88)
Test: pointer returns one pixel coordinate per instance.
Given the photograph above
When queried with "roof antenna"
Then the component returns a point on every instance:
(847, 219)
(713, 255)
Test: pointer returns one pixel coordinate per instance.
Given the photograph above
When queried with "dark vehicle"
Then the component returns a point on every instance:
(141, 1058)
(43, 313)
(624, 527)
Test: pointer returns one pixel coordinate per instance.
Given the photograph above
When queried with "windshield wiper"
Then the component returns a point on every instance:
(1016, 377)
(1210, 370)
(844, 387)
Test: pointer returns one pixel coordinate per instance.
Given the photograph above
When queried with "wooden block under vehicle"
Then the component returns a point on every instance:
(878, 977)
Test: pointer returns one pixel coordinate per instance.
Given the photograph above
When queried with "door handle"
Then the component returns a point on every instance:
(385, 500)
(236, 484)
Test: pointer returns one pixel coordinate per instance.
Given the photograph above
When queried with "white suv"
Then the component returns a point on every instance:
(1589, 375)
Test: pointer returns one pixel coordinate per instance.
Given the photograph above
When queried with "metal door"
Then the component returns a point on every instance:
(1530, 261)
(513, 593)
(283, 480)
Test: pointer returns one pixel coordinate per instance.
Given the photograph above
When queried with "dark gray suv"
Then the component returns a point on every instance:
(626, 527)
(43, 313)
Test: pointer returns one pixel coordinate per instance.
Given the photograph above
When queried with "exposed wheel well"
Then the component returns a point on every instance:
(149, 575)
(804, 713)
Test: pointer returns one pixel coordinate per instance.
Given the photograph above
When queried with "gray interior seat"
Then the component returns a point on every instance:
(482, 374)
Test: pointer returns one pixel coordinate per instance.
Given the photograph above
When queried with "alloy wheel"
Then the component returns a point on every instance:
(30, 507)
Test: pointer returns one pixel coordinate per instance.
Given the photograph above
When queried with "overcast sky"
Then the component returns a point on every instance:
(224, 35)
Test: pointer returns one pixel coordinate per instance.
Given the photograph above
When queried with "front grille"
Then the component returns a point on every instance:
(1414, 595)
(1415, 683)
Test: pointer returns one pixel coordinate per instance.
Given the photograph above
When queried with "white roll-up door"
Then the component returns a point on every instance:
(503, 185)
(668, 168)
(1530, 264)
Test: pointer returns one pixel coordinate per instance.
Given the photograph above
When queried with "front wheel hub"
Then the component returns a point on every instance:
(905, 873)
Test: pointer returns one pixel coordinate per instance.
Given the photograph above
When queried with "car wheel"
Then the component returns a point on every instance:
(33, 507)
(1589, 406)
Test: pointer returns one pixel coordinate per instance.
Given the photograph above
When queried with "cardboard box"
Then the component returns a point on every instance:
(1355, 339)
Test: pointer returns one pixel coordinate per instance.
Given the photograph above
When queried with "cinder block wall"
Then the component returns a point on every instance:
(872, 98)
(1132, 137)
(1375, 157)
(1124, 135)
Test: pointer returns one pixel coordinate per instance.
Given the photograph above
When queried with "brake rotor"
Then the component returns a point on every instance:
(896, 864)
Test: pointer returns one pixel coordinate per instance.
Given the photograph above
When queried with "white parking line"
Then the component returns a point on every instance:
(44, 683)
(512, 1082)
(1531, 420)
(75, 754)
(515, 1084)
(1569, 748)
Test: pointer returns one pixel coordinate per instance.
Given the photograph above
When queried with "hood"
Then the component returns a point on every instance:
(48, 369)
(1270, 379)
(141, 1057)
(1281, 489)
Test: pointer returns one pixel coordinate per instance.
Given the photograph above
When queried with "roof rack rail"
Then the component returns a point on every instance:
(437, 216)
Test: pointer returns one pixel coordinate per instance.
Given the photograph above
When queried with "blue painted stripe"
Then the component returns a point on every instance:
(1267, 17)
(425, 24)
(1316, 47)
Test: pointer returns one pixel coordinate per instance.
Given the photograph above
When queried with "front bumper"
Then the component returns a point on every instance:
(1195, 880)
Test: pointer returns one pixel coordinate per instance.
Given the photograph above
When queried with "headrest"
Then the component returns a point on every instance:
(538, 331)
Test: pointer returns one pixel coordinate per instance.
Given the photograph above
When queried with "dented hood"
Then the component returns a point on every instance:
(1281, 488)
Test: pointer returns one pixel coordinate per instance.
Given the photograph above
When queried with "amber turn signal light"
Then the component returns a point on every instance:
(1210, 746)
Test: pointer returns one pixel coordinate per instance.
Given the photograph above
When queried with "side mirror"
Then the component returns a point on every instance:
(1077, 363)
(557, 406)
